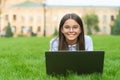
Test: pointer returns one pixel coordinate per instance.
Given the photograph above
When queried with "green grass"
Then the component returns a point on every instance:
(22, 58)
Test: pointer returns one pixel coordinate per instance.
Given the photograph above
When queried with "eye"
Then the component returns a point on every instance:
(66, 27)
(75, 26)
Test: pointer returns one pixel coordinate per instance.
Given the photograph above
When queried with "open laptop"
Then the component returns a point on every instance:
(79, 62)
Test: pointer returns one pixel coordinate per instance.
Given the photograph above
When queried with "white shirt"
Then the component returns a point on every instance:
(88, 44)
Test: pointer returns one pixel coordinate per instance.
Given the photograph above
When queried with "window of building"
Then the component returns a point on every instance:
(31, 28)
(14, 29)
(104, 29)
(39, 29)
(25, 29)
(22, 29)
(112, 18)
(104, 18)
(14, 17)
(6, 17)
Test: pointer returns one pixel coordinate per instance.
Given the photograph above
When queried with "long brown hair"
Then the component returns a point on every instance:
(62, 41)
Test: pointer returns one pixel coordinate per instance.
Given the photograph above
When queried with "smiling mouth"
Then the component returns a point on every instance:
(71, 34)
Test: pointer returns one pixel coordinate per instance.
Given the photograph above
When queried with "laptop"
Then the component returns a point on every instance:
(78, 62)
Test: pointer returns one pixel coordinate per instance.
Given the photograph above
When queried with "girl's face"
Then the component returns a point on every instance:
(71, 30)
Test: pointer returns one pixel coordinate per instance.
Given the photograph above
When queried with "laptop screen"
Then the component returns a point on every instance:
(79, 62)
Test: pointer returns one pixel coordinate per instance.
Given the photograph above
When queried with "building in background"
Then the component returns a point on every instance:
(36, 17)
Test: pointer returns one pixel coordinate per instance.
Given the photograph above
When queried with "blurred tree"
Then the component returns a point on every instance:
(55, 32)
(91, 21)
(8, 31)
(96, 28)
(115, 29)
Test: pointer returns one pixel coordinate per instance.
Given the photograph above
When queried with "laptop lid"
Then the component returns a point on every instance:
(79, 62)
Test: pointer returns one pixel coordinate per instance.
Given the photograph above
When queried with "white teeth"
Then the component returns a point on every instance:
(71, 35)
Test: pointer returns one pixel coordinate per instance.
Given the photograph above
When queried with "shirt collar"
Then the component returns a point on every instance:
(74, 45)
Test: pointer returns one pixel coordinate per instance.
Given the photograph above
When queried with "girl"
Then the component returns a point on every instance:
(71, 35)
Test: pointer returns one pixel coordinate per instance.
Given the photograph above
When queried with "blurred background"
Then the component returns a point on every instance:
(42, 17)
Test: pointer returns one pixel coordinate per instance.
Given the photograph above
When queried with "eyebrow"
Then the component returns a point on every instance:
(73, 25)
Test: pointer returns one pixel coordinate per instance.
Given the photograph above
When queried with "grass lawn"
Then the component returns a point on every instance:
(22, 58)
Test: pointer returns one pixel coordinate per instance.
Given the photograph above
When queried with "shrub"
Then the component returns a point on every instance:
(8, 31)
(115, 29)
(55, 32)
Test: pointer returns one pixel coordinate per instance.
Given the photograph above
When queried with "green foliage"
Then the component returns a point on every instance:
(115, 29)
(55, 32)
(96, 28)
(8, 31)
(91, 20)
(89, 32)
(33, 34)
(24, 59)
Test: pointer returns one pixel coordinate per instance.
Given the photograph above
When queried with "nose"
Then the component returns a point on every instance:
(71, 29)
